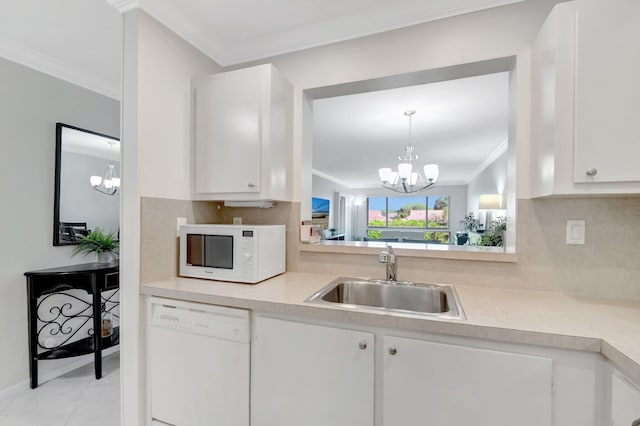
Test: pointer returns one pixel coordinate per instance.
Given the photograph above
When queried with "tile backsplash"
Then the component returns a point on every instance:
(608, 265)
(158, 236)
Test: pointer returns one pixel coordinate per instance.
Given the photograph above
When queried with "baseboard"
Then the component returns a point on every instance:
(45, 376)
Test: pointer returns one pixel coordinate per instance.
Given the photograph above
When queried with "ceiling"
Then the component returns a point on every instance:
(461, 125)
(80, 41)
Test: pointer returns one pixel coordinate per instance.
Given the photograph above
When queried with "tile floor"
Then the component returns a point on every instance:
(74, 399)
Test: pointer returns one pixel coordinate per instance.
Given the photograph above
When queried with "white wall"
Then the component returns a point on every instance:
(166, 66)
(32, 103)
(491, 180)
(324, 188)
(157, 70)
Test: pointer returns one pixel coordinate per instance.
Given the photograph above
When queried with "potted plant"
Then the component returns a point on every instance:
(494, 236)
(469, 223)
(106, 246)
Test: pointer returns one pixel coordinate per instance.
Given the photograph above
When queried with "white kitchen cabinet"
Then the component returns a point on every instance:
(243, 142)
(443, 384)
(310, 375)
(585, 138)
(625, 402)
(607, 138)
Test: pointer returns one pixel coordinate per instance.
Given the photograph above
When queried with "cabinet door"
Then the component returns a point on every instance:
(625, 403)
(607, 128)
(228, 131)
(552, 102)
(436, 384)
(310, 375)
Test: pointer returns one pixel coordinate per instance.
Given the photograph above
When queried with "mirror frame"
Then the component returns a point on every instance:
(56, 190)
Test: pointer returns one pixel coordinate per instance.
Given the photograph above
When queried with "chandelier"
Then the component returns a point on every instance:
(407, 179)
(110, 183)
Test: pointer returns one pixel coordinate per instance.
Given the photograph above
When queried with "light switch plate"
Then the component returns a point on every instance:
(575, 232)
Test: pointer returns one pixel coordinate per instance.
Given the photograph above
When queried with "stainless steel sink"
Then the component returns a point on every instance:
(436, 300)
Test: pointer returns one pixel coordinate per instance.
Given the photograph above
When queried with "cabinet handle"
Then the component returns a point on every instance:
(362, 344)
(392, 350)
(592, 171)
(250, 185)
(636, 422)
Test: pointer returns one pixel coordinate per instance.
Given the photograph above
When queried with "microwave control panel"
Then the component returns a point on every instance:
(247, 250)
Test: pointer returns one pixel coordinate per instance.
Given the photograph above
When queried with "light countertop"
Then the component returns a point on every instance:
(611, 327)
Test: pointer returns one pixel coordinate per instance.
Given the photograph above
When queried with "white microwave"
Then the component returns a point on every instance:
(240, 253)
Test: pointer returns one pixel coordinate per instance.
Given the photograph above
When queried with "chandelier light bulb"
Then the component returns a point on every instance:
(95, 180)
(394, 178)
(431, 172)
(413, 179)
(385, 174)
(404, 170)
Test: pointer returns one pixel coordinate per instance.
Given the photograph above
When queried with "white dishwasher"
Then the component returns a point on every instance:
(198, 364)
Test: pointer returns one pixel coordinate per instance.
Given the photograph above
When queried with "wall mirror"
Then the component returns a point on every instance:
(462, 122)
(87, 183)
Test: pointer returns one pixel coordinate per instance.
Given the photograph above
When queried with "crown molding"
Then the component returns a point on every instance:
(329, 178)
(170, 15)
(123, 6)
(28, 57)
(322, 33)
(489, 160)
(325, 33)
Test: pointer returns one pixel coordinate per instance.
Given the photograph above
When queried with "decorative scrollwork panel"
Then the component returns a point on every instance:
(67, 316)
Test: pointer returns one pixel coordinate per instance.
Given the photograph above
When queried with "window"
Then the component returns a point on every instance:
(438, 211)
(398, 218)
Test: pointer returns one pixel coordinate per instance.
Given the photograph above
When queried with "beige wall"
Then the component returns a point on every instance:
(158, 233)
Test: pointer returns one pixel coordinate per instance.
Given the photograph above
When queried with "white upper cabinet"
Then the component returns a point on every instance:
(607, 138)
(243, 135)
(585, 135)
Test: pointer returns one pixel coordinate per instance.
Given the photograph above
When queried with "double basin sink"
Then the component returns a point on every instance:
(434, 300)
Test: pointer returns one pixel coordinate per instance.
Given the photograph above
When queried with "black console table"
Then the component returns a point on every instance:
(63, 320)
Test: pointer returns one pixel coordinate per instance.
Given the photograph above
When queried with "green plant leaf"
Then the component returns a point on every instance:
(97, 242)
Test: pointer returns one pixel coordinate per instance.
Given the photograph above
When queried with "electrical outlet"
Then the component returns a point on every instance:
(179, 222)
(237, 221)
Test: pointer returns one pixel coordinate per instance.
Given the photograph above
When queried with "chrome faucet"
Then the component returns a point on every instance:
(389, 257)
